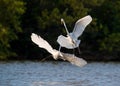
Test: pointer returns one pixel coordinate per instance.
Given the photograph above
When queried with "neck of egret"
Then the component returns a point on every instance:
(62, 20)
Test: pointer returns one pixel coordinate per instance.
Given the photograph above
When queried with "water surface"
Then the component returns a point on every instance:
(29, 73)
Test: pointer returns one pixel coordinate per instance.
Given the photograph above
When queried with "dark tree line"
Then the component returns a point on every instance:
(19, 18)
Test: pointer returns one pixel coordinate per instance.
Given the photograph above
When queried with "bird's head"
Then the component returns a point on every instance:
(56, 54)
(62, 20)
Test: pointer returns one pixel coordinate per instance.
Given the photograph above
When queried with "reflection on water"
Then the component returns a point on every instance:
(58, 74)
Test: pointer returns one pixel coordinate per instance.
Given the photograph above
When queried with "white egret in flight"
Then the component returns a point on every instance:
(55, 53)
(71, 41)
(44, 44)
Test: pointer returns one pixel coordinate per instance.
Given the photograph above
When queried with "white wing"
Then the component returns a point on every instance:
(64, 42)
(80, 25)
(41, 43)
(74, 60)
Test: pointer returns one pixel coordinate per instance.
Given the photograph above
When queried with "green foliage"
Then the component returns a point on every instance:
(111, 43)
(108, 15)
(10, 12)
(43, 17)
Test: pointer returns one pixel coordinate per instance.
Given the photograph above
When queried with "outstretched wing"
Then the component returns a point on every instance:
(80, 25)
(64, 42)
(73, 59)
(41, 42)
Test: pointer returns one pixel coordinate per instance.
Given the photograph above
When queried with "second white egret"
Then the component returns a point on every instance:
(71, 41)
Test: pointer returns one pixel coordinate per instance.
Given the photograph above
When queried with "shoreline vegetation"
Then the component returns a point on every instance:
(89, 58)
(100, 40)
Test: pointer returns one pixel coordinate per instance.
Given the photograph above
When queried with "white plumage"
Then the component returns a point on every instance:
(55, 53)
(71, 41)
(45, 45)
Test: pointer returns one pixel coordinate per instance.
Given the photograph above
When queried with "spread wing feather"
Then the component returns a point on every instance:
(74, 60)
(80, 25)
(41, 42)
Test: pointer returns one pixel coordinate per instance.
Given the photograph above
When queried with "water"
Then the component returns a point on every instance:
(29, 73)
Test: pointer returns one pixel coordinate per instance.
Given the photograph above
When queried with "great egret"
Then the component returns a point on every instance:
(55, 53)
(71, 41)
(44, 44)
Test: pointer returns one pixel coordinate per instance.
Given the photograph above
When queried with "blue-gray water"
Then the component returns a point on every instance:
(29, 73)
